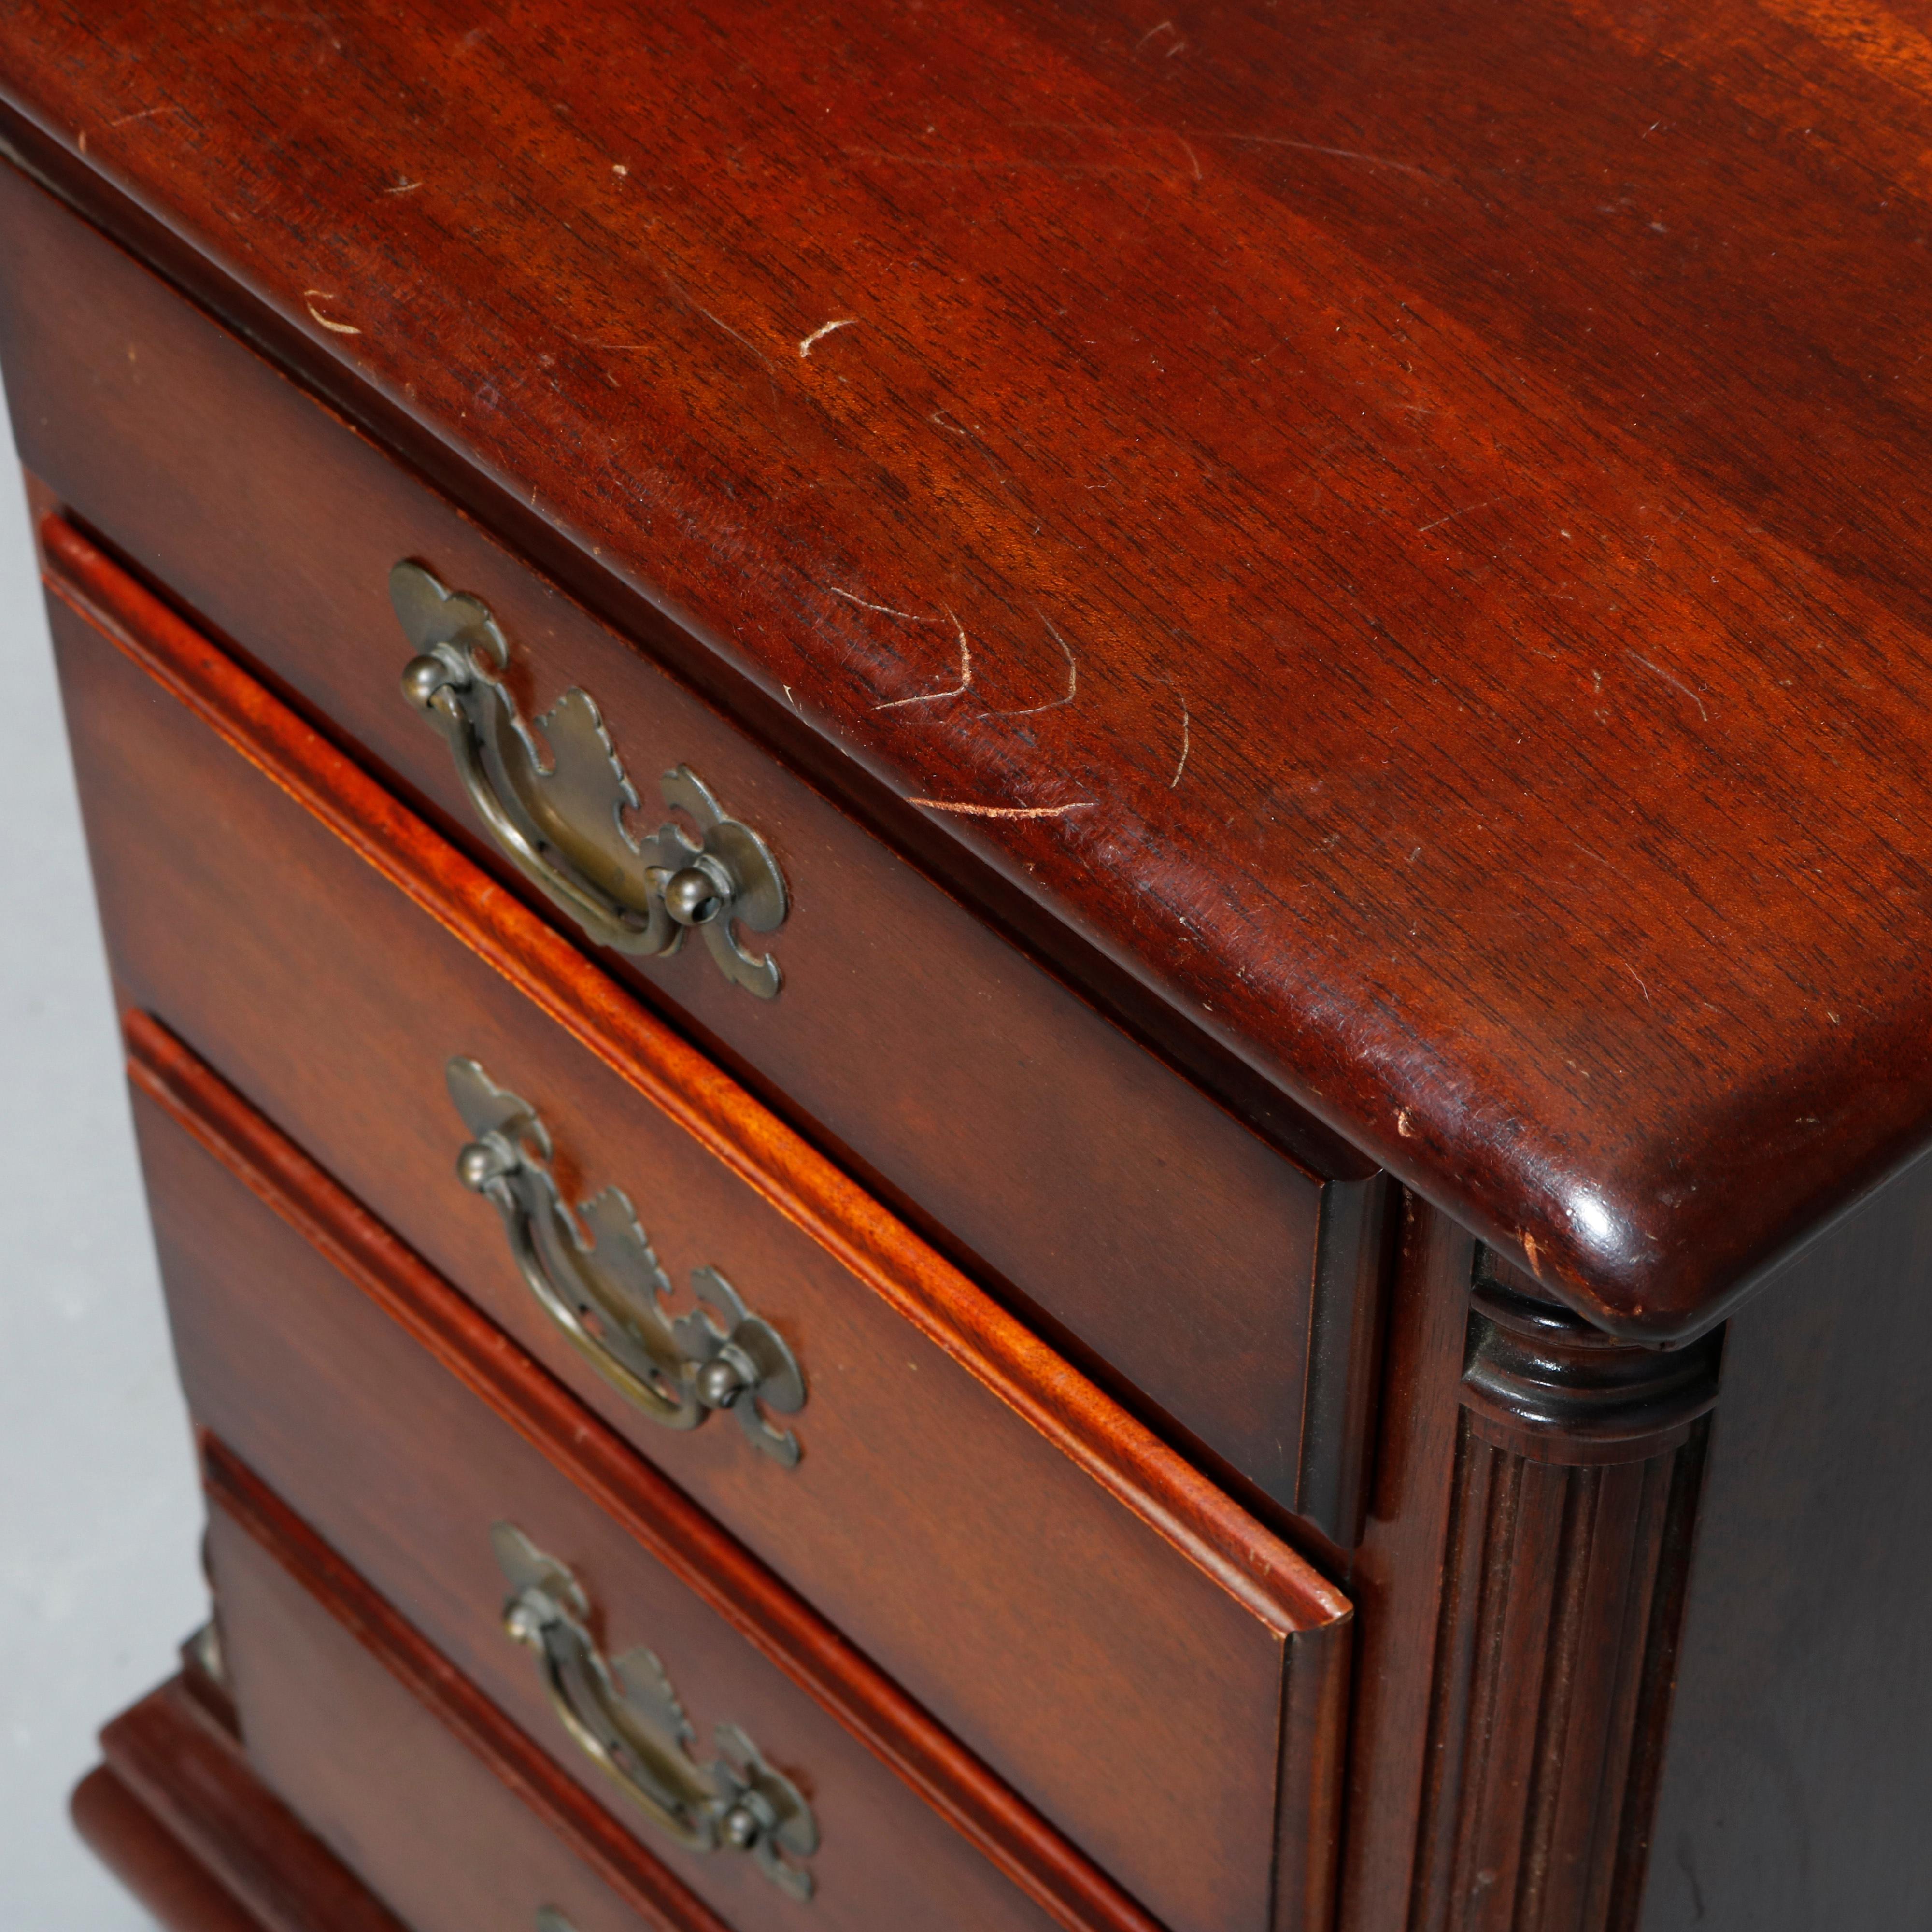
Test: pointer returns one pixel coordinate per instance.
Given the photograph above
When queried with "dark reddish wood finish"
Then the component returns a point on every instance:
(1517, 1604)
(367, 1394)
(1472, 457)
(679, 1084)
(1563, 1591)
(1025, 1132)
(185, 1823)
(421, 1785)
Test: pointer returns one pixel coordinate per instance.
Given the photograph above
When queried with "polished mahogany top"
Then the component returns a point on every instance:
(1400, 524)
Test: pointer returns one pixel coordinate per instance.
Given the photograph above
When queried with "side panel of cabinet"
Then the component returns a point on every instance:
(1794, 1782)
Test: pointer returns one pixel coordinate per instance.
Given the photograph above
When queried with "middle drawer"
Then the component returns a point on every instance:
(1108, 1632)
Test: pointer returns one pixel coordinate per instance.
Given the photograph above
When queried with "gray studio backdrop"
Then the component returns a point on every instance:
(100, 1523)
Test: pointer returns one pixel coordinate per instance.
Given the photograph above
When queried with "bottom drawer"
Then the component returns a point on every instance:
(363, 1731)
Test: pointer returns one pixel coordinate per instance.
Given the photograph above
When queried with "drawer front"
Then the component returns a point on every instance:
(353, 1735)
(1220, 1280)
(1098, 1653)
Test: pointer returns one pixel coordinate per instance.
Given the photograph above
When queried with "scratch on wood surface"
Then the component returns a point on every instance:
(1126, 128)
(818, 335)
(311, 297)
(1069, 170)
(1182, 765)
(1004, 811)
(403, 187)
(1153, 33)
(1597, 858)
(1072, 677)
(959, 690)
(685, 295)
(1316, 148)
(141, 114)
(1467, 510)
(1638, 977)
(1676, 682)
(1403, 1127)
(1529, 1249)
(885, 609)
(950, 428)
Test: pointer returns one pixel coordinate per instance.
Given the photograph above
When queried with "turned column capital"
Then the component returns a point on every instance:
(1541, 1381)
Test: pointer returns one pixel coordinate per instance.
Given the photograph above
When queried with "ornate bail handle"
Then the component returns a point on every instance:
(562, 822)
(607, 1293)
(625, 1716)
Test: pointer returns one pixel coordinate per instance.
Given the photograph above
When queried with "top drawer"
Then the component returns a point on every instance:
(1223, 1281)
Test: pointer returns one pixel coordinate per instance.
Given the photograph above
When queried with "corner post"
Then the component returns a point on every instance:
(1578, 1461)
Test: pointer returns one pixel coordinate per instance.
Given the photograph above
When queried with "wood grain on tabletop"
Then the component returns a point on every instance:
(1402, 525)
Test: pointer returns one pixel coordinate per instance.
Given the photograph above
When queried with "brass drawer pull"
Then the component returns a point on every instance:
(562, 822)
(607, 1293)
(626, 1718)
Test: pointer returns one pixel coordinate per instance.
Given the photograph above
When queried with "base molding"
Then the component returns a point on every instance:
(178, 1816)
(174, 1887)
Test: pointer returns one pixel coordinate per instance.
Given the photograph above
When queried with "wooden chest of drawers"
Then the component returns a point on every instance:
(978, 981)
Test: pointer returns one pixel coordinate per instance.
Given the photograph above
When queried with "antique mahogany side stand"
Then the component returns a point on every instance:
(1022, 913)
